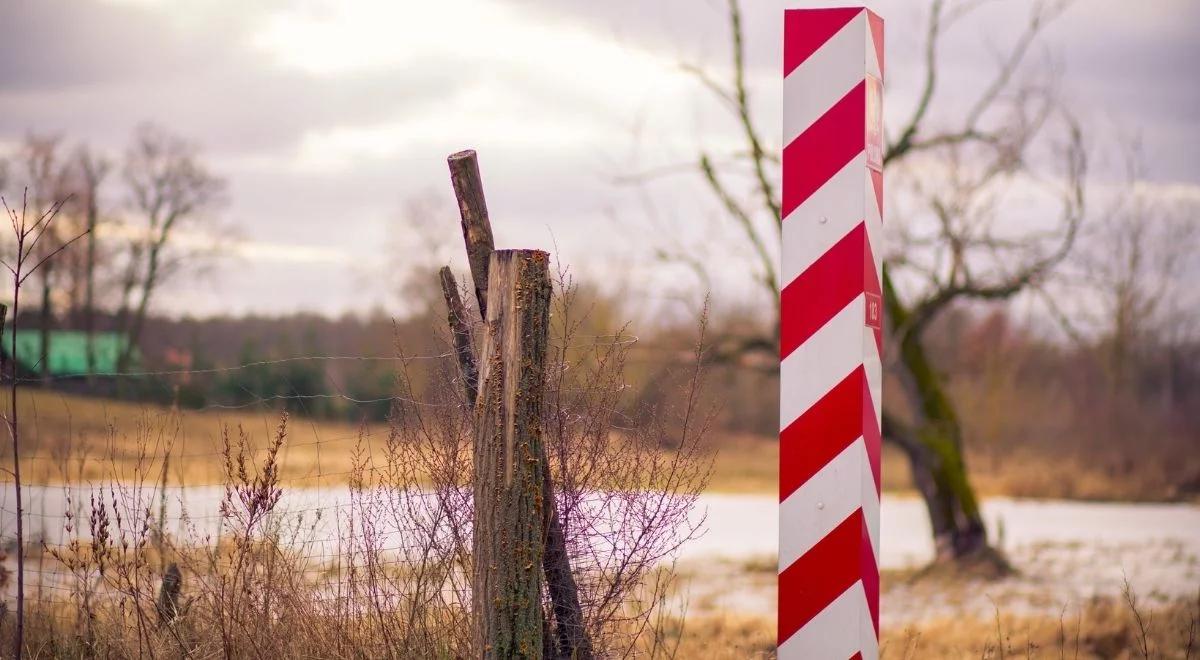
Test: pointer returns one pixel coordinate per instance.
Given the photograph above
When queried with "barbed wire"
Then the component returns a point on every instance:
(218, 484)
(618, 340)
(236, 367)
(217, 451)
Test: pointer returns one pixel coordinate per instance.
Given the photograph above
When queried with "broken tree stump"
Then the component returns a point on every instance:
(508, 534)
(570, 639)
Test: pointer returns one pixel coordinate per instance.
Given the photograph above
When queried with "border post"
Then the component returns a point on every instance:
(831, 334)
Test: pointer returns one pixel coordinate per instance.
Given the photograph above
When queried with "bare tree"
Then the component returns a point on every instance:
(171, 191)
(46, 178)
(68, 283)
(415, 249)
(89, 171)
(1131, 275)
(1014, 135)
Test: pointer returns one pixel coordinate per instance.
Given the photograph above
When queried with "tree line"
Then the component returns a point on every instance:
(144, 215)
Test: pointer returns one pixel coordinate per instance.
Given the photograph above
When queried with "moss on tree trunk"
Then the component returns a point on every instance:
(934, 445)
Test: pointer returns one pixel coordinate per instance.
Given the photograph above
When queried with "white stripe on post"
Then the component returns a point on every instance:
(823, 502)
(830, 334)
(804, 243)
(836, 68)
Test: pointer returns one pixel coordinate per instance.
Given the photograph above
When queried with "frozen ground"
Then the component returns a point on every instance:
(1065, 552)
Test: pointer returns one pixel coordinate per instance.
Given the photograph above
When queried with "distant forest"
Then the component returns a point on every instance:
(1017, 388)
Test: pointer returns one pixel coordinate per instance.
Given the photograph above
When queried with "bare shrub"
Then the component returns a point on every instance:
(385, 570)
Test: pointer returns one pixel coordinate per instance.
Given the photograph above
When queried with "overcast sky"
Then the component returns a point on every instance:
(327, 117)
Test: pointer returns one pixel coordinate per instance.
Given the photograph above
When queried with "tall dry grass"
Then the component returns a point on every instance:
(1104, 629)
(393, 578)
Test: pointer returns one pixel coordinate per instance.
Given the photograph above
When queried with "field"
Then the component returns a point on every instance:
(722, 603)
(71, 438)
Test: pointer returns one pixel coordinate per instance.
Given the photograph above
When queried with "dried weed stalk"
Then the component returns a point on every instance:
(382, 568)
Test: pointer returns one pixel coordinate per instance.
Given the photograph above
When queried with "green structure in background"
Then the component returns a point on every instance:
(68, 351)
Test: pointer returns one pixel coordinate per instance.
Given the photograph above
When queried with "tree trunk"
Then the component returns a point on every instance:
(134, 333)
(571, 641)
(45, 321)
(508, 458)
(89, 295)
(933, 445)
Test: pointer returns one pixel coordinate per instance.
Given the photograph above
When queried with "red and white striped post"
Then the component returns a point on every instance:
(830, 339)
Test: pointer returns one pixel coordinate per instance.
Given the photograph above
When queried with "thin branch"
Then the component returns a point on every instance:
(712, 85)
(902, 145)
(766, 188)
(46, 258)
(1042, 13)
(907, 143)
(769, 277)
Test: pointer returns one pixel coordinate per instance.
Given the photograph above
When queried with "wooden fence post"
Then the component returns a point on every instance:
(508, 457)
(570, 638)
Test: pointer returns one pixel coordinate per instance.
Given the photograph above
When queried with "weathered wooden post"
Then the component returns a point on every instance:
(476, 225)
(569, 639)
(830, 339)
(508, 457)
(460, 330)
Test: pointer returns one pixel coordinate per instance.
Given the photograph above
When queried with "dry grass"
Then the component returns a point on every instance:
(722, 637)
(393, 572)
(1104, 629)
(70, 438)
(61, 428)
(1091, 476)
(749, 464)
(76, 439)
(394, 585)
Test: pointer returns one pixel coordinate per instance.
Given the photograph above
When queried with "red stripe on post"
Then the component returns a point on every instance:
(824, 148)
(821, 291)
(868, 568)
(822, 574)
(876, 25)
(804, 33)
(877, 184)
(871, 435)
(821, 433)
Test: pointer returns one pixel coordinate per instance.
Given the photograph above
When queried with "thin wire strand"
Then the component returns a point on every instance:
(618, 340)
(247, 365)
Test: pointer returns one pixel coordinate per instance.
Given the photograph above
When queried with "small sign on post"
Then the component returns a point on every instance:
(831, 334)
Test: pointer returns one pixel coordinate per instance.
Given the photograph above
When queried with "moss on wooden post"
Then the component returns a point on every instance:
(508, 532)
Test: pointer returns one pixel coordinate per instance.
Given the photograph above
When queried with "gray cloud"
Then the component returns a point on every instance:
(325, 158)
